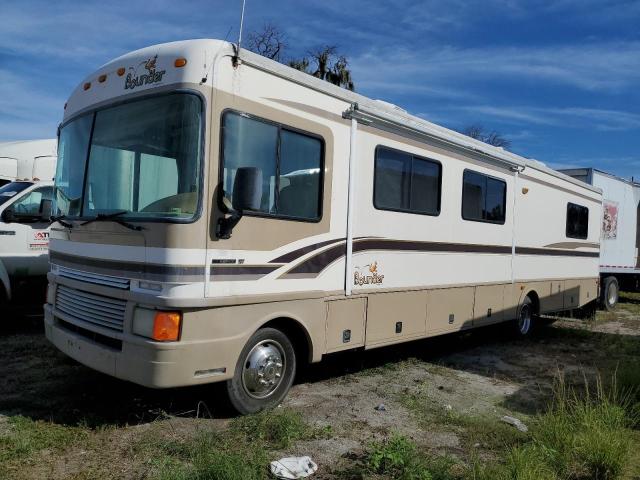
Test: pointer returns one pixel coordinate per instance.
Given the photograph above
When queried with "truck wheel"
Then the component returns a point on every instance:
(264, 372)
(610, 292)
(523, 325)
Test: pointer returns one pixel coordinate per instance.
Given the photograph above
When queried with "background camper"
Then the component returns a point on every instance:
(228, 220)
(619, 260)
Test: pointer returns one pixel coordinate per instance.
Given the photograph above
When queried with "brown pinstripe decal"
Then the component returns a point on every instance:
(314, 265)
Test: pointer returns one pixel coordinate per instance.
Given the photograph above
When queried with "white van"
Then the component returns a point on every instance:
(25, 207)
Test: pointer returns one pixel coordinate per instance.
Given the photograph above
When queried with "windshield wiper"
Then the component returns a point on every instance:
(60, 220)
(113, 217)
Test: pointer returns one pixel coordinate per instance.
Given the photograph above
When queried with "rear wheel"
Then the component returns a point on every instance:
(264, 372)
(523, 325)
(610, 293)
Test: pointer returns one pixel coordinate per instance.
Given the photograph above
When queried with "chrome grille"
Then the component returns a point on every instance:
(90, 308)
(109, 281)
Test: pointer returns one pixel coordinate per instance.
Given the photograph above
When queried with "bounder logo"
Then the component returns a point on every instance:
(372, 277)
(152, 76)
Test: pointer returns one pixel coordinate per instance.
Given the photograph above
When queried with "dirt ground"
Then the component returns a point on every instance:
(447, 394)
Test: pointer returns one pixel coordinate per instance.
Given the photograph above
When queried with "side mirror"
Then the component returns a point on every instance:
(247, 189)
(45, 209)
(247, 196)
(7, 216)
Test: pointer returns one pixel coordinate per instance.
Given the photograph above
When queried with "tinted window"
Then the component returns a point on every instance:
(577, 221)
(483, 198)
(30, 203)
(290, 162)
(405, 182)
(10, 190)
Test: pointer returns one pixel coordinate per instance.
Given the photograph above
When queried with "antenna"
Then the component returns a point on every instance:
(237, 57)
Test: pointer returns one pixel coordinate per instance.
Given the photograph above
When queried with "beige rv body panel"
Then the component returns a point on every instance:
(413, 276)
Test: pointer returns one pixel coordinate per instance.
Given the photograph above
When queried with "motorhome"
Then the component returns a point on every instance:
(619, 260)
(223, 217)
(26, 187)
(27, 159)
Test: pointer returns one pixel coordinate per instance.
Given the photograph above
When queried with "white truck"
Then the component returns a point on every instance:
(620, 236)
(26, 191)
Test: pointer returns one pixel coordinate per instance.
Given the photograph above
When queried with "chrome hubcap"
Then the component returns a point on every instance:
(524, 322)
(263, 369)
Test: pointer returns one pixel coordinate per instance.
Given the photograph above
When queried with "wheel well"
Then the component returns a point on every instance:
(296, 333)
(535, 300)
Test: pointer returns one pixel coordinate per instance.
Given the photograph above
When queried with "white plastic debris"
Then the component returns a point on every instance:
(293, 467)
(380, 408)
(516, 423)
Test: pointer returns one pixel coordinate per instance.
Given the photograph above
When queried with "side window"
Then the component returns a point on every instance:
(407, 183)
(484, 198)
(291, 163)
(577, 221)
(30, 203)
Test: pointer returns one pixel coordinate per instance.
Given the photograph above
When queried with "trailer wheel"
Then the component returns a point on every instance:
(610, 293)
(523, 325)
(264, 372)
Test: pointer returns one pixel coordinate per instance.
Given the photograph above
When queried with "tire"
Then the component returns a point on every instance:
(264, 373)
(523, 325)
(610, 293)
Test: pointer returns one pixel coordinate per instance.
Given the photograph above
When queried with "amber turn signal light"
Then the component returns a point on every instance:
(87, 86)
(121, 71)
(180, 62)
(166, 326)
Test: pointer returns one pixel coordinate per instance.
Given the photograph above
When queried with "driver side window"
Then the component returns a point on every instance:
(30, 203)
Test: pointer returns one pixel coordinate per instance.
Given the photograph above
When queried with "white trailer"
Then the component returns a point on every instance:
(619, 260)
(225, 219)
(28, 160)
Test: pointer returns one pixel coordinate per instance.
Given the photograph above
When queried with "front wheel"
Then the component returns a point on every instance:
(264, 372)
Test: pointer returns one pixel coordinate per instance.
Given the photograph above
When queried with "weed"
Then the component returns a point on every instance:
(399, 458)
(25, 437)
(277, 428)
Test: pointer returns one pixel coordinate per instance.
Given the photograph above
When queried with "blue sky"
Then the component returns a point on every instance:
(560, 79)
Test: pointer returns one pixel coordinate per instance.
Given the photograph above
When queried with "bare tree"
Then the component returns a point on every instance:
(327, 65)
(270, 42)
(492, 138)
(324, 63)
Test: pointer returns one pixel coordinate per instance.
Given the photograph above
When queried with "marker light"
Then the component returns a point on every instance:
(121, 71)
(166, 326)
(87, 86)
(102, 78)
(180, 62)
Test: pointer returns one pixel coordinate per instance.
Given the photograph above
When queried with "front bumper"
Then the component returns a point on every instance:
(145, 362)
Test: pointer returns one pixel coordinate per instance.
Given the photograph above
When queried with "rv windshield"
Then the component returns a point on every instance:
(142, 157)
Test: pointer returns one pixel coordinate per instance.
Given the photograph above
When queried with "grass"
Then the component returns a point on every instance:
(243, 451)
(399, 458)
(25, 437)
(583, 436)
